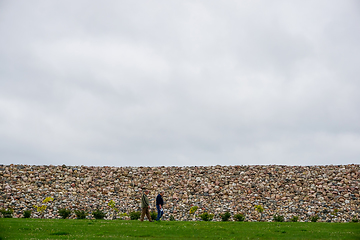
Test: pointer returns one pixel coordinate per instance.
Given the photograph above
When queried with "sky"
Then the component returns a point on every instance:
(179, 83)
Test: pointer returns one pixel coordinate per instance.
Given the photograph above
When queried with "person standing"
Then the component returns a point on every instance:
(145, 206)
(159, 205)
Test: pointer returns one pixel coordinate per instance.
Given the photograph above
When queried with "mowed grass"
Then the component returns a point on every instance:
(119, 229)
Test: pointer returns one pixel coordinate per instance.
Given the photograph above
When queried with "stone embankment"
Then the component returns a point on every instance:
(331, 192)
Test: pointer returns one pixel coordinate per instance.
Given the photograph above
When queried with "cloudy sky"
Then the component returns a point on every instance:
(153, 83)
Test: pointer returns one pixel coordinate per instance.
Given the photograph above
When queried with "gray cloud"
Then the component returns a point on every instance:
(179, 82)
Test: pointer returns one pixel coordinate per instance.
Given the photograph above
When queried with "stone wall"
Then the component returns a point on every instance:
(286, 190)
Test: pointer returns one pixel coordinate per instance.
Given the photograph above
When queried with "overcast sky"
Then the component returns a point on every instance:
(178, 83)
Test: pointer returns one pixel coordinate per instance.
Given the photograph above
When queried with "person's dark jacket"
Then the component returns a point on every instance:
(159, 200)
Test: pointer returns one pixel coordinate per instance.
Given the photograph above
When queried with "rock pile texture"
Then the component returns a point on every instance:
(331, 192)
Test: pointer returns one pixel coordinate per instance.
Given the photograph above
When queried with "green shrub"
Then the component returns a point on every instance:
(314, 218)
(172, 218)
(206, 216)
(80, 214)
(225, 217)
(27, 213)
(354, 219)
(7, 213)
(278, 218)
(294, 219)
(98, 214)
(153, 215)
(239, 217)
(135, 215)
(64, 213)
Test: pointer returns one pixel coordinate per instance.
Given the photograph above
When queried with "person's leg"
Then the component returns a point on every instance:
(159, 213)
(148, 214)
(143, 211)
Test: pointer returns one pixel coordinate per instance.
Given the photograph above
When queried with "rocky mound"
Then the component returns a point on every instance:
(285, 190)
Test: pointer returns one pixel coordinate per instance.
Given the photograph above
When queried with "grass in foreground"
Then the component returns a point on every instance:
(118, 229)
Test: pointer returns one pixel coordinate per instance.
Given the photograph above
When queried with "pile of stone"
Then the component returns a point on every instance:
(331, 192)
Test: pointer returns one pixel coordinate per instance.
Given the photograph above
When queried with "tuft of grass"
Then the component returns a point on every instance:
(278, 218)
(206, 216)
(239, 217)
(64, 213)
(225, 217)
(80, 214)
(314, 218)
(135, 215)
(7, 213)
(27, 213)
(98, 214)
(153, 215)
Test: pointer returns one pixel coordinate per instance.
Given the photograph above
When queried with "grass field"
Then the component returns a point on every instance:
(119, 229)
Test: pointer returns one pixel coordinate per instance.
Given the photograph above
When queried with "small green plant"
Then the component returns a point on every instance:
(41, 208)
(64, 213)
(278, 218)
(48, 199)
(225, 217)
(314, 218)
(172, 218)
(98, 214)
(239, 217)
(111, 204)
(193, 209)
(80, 214)
(7, 213)
(294, 219)
(355, 219)
(123, 215)
(260, 210)
(153, 215)
(135, 215)
(206, 216)
(27, 213)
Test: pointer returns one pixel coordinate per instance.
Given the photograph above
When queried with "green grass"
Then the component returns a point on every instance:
(118, 229)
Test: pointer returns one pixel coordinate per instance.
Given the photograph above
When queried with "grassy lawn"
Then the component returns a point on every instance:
(119, 229)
